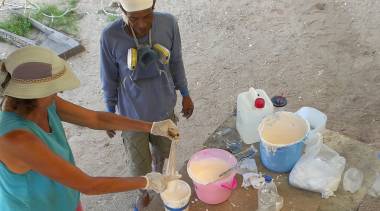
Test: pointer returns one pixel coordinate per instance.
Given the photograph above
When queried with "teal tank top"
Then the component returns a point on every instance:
(32, 191)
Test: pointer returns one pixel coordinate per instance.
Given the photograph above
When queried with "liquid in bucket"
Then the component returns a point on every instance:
(176, 197)
(283, 128)
(207, 170)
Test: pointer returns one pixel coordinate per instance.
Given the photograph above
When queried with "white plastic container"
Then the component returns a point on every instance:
(252, 107)
(176, 196)
(317, 120)
(352, 180)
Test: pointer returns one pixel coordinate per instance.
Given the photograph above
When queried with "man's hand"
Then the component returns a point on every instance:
(111, 133)
(187, 107)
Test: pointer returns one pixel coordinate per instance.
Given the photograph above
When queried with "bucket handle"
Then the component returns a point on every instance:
(231, 186)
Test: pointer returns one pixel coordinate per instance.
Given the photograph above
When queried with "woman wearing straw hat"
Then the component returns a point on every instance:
(37, 169)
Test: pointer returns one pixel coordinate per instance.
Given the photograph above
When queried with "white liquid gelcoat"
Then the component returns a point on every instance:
(175, 191)
(177, 195)
(283, 128)
(207, 170)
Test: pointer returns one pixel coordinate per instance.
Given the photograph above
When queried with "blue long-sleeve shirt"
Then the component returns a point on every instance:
(150, 99)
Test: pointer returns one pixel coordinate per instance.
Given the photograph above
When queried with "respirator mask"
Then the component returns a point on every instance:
(145, 55)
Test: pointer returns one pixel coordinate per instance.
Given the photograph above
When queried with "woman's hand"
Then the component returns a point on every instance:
(165, 128)
(158, 182)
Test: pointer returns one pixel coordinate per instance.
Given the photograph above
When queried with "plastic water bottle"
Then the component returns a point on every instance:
(267, 196)
(352, 180)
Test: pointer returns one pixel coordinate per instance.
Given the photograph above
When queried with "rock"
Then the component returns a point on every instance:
(320, 6)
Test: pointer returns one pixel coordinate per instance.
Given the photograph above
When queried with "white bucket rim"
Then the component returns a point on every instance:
(226, 177)
(180, 200)
(266, 143)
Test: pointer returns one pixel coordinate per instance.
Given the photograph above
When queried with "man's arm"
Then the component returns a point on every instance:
(178, 70)
(109, 75)
(176, 63)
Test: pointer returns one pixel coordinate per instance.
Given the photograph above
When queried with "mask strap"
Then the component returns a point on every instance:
(150, 37)
(2, 103)
(5, 77)
(134, 37)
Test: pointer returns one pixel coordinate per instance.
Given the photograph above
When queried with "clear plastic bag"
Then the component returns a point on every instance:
(319, 169)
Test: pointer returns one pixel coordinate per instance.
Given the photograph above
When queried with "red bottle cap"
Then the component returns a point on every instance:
(259, 103)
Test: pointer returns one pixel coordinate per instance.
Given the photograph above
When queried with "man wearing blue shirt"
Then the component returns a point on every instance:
(141, 68)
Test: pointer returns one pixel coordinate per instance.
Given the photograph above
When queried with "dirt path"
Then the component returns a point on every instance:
(323, 54)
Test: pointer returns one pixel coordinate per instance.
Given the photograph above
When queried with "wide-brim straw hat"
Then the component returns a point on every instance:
(35, 72)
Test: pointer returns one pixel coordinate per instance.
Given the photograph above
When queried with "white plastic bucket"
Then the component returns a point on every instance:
(317, 120)
(176, 197)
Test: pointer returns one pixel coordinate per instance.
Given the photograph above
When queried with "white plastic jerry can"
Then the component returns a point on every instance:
(252, 107)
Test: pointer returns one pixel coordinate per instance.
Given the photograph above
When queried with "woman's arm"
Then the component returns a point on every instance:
(24, 147)
(78, 115)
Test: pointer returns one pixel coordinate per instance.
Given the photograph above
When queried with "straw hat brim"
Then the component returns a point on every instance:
(41, 89)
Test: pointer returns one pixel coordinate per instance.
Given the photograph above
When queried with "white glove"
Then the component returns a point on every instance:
(158, 182)
(165, 128)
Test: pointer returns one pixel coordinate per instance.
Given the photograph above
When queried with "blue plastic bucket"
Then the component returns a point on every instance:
(282, 158)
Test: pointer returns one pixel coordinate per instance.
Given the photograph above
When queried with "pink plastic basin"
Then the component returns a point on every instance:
(219, 191)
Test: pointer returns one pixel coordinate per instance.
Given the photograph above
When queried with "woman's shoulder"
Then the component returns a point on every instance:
(18, 134)
(10, 121)
(15, 145)
(15, 139)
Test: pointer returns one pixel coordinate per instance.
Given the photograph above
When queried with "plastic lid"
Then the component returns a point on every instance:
(279, 101)
(268, 178)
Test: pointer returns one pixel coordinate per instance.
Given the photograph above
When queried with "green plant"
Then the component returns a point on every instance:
(66, 23)
(111, 18)
(17, 24)
(73, 3)
(21, 25)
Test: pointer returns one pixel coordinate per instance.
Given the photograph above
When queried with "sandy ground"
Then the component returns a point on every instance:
(323, 54)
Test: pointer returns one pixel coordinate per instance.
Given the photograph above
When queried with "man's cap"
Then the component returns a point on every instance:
(35, 72)
(136, 5)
